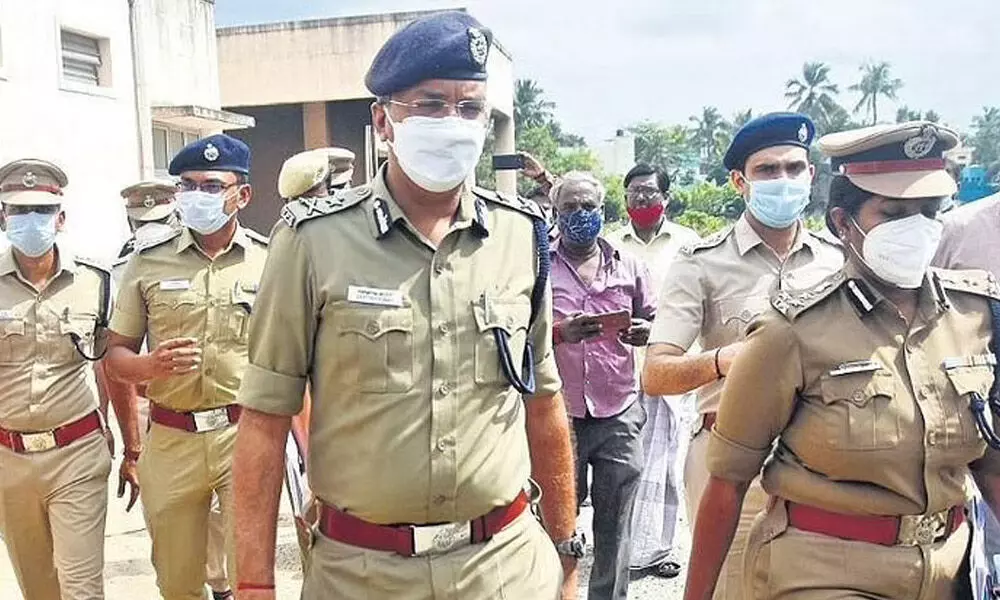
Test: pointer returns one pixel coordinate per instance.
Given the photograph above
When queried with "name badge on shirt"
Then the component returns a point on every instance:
(7, 315)
(174, 285)
(856, 366)
(374, 296)
(978, 360)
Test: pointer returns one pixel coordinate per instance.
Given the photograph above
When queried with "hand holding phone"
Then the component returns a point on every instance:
(508, 162)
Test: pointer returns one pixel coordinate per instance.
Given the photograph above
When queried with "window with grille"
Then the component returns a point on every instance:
(166, 143)
(81, 59)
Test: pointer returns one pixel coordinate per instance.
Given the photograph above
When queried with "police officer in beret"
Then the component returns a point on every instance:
(423, 329)
(864, 395)
(190, 292)
(716, 287)
(54, 460)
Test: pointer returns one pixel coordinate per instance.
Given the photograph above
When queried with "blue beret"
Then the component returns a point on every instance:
(773, 129)
(448, 45)
(218, 152)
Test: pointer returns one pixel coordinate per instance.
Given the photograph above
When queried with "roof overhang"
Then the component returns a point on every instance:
(201, 117)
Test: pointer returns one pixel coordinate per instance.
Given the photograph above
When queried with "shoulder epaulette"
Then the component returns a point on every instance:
(148, 244)
(121, 260)
(522, 205)
(826, 238)
(970, 281)
(711, 241)
(93, 263)
(253, 235)
(299, 211)
(792, 303)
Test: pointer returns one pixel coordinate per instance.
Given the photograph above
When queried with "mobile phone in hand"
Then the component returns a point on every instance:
(614, 322)
(508, 162)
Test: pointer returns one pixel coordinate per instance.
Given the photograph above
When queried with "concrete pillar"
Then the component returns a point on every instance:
(315, 133)
(503, 134)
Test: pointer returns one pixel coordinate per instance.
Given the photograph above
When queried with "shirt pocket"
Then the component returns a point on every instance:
(375, 348)
(15, 346)
(735, 314)
(174, 314)
(237, 308)
(80, 327)
(960, 425)
(511, 317)
(860, 410)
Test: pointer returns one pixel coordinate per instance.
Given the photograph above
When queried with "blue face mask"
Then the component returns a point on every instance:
(202, 212)
(33, 234)
(778, 203)
(581, 227)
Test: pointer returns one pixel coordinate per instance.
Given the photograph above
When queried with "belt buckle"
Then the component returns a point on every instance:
(439, 539)
(210, 420)
(922, 530)
(39, 442)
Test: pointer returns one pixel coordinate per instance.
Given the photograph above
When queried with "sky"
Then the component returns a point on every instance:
(608, 64)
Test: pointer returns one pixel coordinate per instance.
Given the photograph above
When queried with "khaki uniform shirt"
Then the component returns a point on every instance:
(660, 251)
(715, 288)
(46, 382)
(412, 418)
(171, 290)
(871, 416)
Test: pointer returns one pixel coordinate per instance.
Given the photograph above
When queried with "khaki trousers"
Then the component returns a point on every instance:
(179, 472)
(696, 475)
(518, 563)
(790, 564)
(53, 507)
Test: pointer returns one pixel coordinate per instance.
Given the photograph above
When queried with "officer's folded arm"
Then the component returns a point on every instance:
(758, 399)
(669, 371)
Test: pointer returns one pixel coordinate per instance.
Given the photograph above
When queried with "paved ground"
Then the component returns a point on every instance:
(129, 574)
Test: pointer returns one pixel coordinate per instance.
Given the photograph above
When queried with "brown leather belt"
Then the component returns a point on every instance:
(40, 441)
(198, 421)
(418, 540)
(907, 530)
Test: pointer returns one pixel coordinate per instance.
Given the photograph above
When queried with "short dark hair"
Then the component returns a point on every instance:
(844, 194)
(643, 170)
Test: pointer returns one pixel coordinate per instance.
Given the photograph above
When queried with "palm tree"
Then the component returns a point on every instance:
(813, 94)
(741, 118)
(876, 81)
(531, 109)
(708, 132)
(986, 135)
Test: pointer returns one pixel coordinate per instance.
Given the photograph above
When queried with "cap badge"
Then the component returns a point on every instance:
(211, 153)
(149, 202)
(29, 180)
(803, 133)
(479, 46)
(920, 145)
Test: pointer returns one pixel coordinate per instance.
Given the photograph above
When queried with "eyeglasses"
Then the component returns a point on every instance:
(208, 187)
(643, 193)
(434, 108)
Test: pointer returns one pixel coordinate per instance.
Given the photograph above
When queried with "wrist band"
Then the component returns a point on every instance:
(132, 455)
(246, 587)
(718, 371)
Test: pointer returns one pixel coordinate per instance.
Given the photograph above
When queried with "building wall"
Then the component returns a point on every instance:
(92, 136)
(277, 136)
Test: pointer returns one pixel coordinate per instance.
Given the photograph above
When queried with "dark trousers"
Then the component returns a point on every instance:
(612, 447)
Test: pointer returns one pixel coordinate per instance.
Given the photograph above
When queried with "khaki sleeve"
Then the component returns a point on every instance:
(129, 316)
(282, 328)
(681, 308)
(547, 381)
(758, 398)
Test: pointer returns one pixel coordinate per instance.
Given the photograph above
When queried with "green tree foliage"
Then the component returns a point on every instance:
(986, 136)
(709, 136)
(531, 109)
(876, 82)
(666, 147)
(706, 207)
(813, 93)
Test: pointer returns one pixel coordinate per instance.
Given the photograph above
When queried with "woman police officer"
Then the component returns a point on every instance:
(854, 396)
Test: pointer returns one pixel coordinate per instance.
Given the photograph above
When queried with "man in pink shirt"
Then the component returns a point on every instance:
(596, 359)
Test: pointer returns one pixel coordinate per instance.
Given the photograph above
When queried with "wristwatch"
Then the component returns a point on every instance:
(575, 546)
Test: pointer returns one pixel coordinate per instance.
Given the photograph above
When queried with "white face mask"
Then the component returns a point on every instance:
(152, 231)
(899, 251)
(202, 212)
(778, 203)
(437, 154)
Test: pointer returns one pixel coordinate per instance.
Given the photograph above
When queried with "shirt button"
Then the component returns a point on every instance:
(444, 389)
(439, 500)
(438, 269)
(209, 371)
(371, 327)
(209, 338)
(445, 443)
(931, 438)
(444, 328)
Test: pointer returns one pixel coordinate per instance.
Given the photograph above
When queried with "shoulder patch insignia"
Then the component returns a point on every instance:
(153, 242)
(522, 205)
(711, 241)
(970, 281)
(253, 235)
(93, 263)
(296, 212)
(793, 303)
